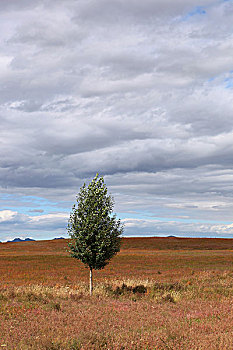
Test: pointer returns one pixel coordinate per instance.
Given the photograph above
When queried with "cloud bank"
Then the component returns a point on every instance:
(139, 92)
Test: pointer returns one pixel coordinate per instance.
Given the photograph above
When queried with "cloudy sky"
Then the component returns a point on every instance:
(139, 91)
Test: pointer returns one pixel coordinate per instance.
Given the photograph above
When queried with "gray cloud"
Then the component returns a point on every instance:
(116, 10)
(36, 211)
(139, 92)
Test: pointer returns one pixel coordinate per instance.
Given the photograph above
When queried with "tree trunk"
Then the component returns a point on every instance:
(91, 284)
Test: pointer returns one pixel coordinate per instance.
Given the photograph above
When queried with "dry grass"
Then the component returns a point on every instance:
(145, 298)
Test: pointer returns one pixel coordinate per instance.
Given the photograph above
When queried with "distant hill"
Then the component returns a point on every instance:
(58, 238)
(21, 240)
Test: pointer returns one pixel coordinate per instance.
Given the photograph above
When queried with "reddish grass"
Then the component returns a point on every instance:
(44, 302)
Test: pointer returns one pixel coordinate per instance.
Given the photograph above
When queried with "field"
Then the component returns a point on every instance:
(157, 293)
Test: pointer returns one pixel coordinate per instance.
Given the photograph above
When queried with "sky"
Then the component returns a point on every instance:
(139, 91)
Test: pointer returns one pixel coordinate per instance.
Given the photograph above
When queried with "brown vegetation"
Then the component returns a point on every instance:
(157, 293)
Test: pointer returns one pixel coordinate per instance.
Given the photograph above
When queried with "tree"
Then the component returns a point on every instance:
(93, 228)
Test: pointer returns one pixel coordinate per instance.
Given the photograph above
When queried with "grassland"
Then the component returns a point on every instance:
(157, 293)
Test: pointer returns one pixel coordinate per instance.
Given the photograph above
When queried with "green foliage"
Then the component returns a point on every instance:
(94, 230)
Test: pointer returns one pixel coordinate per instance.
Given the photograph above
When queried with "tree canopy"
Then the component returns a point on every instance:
(94, 229)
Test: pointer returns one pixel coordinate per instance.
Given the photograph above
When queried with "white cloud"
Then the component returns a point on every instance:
(49, 218)
(7, 215)
(180, 228)
(37, 226)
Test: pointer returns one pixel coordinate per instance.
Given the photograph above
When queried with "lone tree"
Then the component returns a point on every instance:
(94, 230)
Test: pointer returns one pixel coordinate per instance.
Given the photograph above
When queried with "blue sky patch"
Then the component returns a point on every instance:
(229, 80)
(197, 11)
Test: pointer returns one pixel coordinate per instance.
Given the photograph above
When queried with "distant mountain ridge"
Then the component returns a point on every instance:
(17, 239)
(21, 240)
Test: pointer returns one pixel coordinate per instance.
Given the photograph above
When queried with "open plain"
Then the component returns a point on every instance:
(157, 293)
